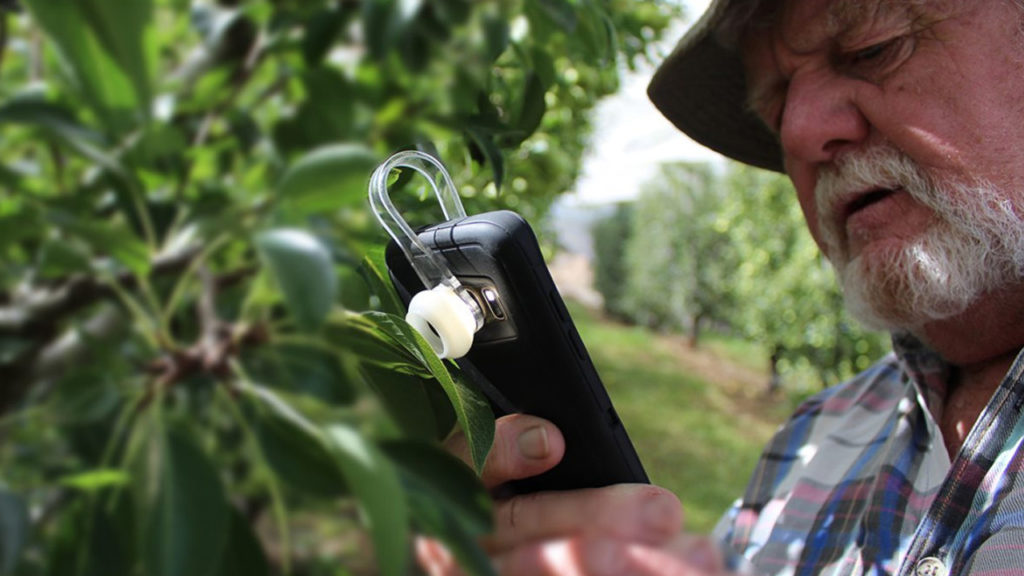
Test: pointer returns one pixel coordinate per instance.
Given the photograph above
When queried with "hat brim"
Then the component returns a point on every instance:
(701, 88)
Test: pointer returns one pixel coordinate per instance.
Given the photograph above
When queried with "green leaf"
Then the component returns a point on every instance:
(408, 400)
(293, 446)
(543, 65)
(243, 554)
(597, 34)
(363, 337)
(303, 269)
(327, 178)
(497, 35)
(301, 369)
(378, 490)
(183, 511)
(471, 407)
(532, 108)
(96, 480)
(58, 123)
(87, 395)
(446, 500)
(93, 536)
(561, 12)
(14, 527)
(125, 30)
(110, 89)
(322, 27)
(374, 271)
(113, 238)
(452, 12)
(385, 23)
(487, 150)
(326, 116)
(61, 259)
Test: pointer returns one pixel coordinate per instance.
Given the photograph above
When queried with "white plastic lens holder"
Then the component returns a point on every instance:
(446, 314)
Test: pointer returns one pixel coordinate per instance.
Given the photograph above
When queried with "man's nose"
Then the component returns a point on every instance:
(821, 118)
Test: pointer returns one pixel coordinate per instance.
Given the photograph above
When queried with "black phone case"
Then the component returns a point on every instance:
(533, 360)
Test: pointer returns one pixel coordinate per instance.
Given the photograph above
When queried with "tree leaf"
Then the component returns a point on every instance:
(446, 500)
(59, 258)
(94, 72)
(243, 554)
(124, 29)
(322, 27)
(14, 527)
(596, 34)
(532, 108)
(87, 395)
(385, 23)
(113, 238)
(497, 30)
(561, 12)
(96, 480)
(485, 145)
(471, 407)
(326, 116)
(327, 178)
(378, 490)
(183, 513)
(364, 338)
(303, 269)
(407, 400)
(301, 369)
(293, 446)
(60, 124)
(374, 271)
(543, 65)
(93, 536)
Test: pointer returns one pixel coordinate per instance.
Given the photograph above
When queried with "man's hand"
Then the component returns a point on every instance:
(618, 530)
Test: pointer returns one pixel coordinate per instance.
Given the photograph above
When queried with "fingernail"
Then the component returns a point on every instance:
(659, 516)
(533, 443)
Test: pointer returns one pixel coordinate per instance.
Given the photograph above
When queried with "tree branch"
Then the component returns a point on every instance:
(36, 315)
(34, 310)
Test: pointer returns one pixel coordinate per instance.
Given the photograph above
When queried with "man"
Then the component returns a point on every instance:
(900, 124)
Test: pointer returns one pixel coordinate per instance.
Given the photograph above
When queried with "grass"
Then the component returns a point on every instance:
(697, 429)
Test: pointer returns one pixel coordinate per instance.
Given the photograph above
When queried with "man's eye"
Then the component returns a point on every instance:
(876, 61)
(871, 52)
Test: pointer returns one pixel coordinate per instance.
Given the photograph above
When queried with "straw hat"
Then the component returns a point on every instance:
(701, 88)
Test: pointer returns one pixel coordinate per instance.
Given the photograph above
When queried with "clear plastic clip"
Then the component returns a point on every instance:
(446, 313)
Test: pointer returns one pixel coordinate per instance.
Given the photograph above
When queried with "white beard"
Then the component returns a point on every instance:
(973, 246)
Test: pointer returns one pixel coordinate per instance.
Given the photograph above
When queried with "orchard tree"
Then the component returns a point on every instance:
(731, 246)
(678, 258)
(199, 351)
(611, 235)
(785, 293)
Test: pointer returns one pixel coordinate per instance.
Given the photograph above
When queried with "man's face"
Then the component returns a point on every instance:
(902, 125)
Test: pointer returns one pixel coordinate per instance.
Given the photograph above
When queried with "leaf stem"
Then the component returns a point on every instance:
(179, 287)
(276, 498)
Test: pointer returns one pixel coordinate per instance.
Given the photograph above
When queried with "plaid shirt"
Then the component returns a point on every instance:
(859, 481)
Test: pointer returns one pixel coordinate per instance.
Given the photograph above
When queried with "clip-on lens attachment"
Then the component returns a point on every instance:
(446, 313)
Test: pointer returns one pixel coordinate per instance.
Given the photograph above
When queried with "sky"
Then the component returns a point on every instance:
(631, 138)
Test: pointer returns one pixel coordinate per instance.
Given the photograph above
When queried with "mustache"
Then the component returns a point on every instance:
(859, 177)
(973, 245)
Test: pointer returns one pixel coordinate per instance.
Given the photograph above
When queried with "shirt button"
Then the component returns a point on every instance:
(930, 566)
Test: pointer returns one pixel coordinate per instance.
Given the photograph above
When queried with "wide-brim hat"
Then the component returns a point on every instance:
(701, 88)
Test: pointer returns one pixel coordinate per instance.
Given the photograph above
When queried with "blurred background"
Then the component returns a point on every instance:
(203, 367)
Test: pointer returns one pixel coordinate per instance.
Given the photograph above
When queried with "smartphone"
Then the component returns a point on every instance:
(528, 357)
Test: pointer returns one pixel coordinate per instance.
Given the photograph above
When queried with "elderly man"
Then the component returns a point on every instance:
(900, 125)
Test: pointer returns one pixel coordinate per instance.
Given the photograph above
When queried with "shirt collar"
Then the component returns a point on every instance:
(928, 372)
